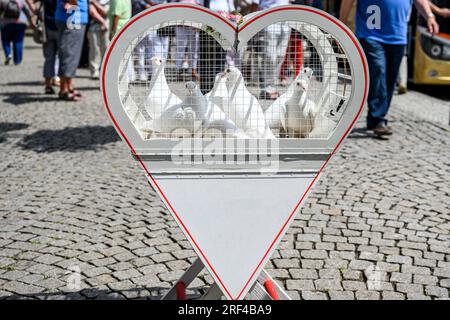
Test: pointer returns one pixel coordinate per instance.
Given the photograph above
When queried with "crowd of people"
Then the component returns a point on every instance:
(65, 25)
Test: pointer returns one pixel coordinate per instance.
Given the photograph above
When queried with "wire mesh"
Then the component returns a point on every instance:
(181, 79)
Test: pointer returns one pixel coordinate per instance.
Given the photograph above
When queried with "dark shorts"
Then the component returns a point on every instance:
(70, 44)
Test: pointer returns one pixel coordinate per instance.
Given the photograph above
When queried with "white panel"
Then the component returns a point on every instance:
(234, 221)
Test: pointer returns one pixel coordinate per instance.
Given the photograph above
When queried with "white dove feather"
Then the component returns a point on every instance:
(275, 114)
(219, 122)
(160, 97)
(243, 108)
(219, 93)
(301, 111)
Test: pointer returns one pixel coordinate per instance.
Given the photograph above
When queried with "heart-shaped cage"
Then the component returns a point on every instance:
(293, 74)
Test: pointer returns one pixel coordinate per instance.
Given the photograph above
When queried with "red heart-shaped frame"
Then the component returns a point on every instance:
(255, 19)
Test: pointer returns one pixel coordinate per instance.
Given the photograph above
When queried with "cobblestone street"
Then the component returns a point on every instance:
(377, 226)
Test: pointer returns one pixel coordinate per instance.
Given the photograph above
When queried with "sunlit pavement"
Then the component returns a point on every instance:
(75, 206)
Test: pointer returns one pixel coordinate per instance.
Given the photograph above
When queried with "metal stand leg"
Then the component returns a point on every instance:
(214, 293)
(265, 288)
(185, 280)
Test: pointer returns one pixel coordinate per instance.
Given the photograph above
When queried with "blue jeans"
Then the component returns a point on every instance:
(13, 33)
(384, 63)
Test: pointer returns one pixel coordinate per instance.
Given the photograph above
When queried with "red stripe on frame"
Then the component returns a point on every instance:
(105, 100)
(351, 36)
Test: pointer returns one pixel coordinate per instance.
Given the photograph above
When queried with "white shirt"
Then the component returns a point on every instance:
(265, 4)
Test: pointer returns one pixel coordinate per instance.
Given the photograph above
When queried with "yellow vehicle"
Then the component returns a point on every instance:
(430, 55)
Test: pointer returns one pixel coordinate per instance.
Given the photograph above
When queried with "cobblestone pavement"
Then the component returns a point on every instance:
(72, 199)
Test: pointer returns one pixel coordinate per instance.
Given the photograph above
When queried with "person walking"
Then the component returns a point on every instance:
(212, 57)
(159, 40)
(294, 54)
(14, 20)
(50, 46)
(118, 14)
(154, 43)
(71, 18)
(140, 68)
(187, 43)
(97, 35)
(382, 31)
(45, 12)
(272, 49)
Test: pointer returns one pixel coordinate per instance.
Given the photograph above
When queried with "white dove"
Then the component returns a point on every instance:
(243, 108)
(218, 120)
(275, 114)
(219, 93)
(301, 111)
(160, 97)
(183, 119)
(174, 122)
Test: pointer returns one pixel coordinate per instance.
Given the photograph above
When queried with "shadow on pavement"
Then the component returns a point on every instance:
(360, 133)
(18, 98)
(156, 293)
(10, 126)
(71, 139)
(88, 88)
(26, 83)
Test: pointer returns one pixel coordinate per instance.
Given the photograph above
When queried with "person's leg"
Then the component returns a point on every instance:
(204, 63)
(377, 99)
(282, 45)
(403, 75)
(153, 49)
(49, 50)
(211, 61)
(287, 58)
(181, 38)
(94, 52)
(269, 57)
(70, 45)
(18, 37)
(62, 57)
(6, 33)
(64, 85)
(164, 47)
(219, 61)
(196, 39)
(298, 53)
(76, 41)
(138, 59)
(193, 52)
(394, 56)
(103, 42)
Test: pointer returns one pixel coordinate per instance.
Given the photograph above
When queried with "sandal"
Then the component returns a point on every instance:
(67, 96)
(49, 90)
(76, 93)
